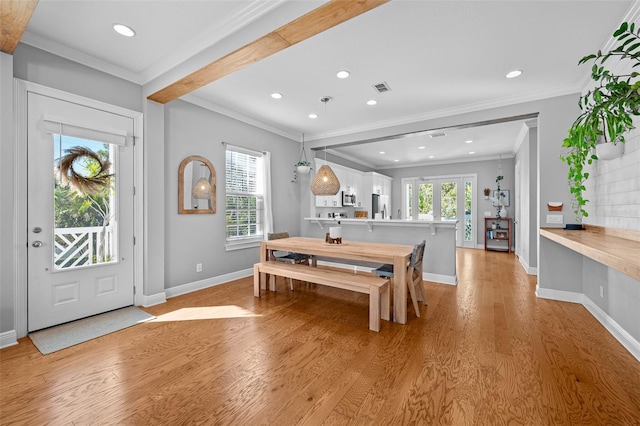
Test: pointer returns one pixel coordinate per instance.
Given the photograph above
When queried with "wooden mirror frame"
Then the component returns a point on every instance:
(212, 171)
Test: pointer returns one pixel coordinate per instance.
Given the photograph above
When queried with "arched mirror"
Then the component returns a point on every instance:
(196, 186)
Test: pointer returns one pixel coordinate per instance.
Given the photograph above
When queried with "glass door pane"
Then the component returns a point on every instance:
(425, 201)
(449, 201)
(84, 200)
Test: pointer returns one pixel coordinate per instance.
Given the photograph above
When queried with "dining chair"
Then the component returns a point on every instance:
(414, 275)
(288, 257)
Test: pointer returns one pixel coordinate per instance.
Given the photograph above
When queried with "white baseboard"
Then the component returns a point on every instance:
(8, 338)
(619, 333)
(559, 295)
(528, 269)
(208, 282)
(441, 279)
(154, 299)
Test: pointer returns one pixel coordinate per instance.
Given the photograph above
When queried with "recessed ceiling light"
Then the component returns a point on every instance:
(124, 30)
(313, 115)
(381, 152)
(372, 102)
(396, 161)
(468, 141)
(472, 152)
(437, 135)
(343, 74)
(421, 147)
(431, 156)
(276, 95)
(514, 73)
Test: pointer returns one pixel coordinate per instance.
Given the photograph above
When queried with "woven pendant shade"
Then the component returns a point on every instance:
(326, 182)
(202, 189)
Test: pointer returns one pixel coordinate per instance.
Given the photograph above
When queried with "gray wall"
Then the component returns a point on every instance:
(191, 239)
(486, 171)
(38, 66)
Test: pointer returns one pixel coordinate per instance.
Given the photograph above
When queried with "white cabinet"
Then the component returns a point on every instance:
(375, 183)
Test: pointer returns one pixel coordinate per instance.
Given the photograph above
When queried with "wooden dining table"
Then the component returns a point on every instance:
(398, 255)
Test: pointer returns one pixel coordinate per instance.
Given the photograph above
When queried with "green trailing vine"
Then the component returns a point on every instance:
(607, 111)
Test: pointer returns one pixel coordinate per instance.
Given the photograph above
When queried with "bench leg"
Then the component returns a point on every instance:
(374, 309)
(256, 280)
(385, 302)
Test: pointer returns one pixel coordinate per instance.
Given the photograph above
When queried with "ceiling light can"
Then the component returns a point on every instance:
(343, 74)
(124, 30)
(514, 73)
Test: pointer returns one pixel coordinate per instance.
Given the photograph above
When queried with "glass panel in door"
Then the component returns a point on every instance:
(425, 201)
(449, 201)
(84, 197)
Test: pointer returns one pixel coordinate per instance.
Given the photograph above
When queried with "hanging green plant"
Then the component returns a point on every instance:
(607, 111)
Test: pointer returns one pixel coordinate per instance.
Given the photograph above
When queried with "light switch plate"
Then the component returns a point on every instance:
(554, 218)
(487, 214)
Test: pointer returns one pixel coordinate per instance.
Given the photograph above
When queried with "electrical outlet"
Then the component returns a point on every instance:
(198, 267)
(554, 218)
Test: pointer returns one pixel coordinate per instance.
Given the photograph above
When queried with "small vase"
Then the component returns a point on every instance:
(335, 232)
(503, 212)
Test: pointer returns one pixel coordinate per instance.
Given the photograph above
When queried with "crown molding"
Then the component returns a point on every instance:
(212, 106)
(90, 61)
(449, 112)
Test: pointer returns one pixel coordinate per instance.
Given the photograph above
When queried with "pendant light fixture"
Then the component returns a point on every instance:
(325, 182)
(202, 189)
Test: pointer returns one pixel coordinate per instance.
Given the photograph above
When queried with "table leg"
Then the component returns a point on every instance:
(264, 256)
(400, 289)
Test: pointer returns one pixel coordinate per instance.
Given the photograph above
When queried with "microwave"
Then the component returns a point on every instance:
(348, 199)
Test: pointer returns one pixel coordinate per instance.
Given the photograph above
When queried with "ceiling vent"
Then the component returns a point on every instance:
(437, 135)
(381, 87)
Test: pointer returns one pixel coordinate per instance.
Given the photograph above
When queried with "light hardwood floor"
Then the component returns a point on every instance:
(486, 352)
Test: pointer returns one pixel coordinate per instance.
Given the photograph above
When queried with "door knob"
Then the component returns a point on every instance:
(37, 244)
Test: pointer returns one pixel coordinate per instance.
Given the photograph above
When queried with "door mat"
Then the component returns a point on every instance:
(66, 335)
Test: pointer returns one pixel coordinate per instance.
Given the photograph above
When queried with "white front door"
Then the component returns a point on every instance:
(80, 222)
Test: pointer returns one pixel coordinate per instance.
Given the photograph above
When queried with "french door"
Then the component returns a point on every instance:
(80, 215)
(443, 199)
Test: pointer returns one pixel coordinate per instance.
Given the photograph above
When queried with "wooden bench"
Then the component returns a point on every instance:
(378, 289)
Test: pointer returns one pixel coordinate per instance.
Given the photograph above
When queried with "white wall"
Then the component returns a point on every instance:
(613, 189)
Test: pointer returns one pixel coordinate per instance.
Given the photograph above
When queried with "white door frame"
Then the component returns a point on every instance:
(21, 88)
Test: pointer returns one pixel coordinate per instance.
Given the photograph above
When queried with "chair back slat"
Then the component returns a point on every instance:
(417, 254)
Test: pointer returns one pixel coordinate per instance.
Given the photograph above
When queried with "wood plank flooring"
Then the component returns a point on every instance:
(485, 352)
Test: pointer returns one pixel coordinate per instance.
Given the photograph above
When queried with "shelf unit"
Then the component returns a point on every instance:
(498, 238)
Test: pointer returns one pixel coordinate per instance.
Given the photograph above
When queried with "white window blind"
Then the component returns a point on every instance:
(74, 128)
(244, 197)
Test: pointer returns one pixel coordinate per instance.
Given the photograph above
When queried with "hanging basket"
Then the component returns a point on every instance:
(303, 170)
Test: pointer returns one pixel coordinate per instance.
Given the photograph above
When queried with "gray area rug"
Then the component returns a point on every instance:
(63, 336)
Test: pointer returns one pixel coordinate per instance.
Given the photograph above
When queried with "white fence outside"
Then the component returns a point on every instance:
(76, 247)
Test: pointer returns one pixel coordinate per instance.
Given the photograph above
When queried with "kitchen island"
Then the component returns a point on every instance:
(440, 251)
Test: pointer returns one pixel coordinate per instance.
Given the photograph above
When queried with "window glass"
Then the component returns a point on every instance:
(244, 196)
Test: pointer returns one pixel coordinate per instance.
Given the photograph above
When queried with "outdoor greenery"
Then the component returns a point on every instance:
(607, 110)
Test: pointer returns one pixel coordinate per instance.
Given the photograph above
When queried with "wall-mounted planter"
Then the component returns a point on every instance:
(609, 151)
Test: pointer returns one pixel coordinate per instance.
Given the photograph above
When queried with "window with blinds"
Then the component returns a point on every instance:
(244, 196)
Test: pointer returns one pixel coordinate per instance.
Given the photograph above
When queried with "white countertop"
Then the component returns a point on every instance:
(322, 221)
